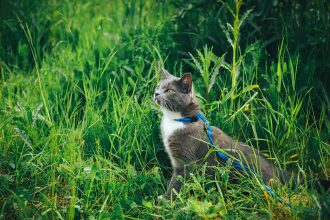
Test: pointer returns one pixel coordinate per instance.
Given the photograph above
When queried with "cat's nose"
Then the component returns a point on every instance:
(155, 95)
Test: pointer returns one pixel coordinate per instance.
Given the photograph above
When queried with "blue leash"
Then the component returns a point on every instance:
(236, 164)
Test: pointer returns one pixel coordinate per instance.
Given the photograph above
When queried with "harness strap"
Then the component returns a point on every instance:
(208, 128)
(236, 164)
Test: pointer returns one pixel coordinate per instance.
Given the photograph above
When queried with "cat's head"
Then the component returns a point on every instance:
(176, 94)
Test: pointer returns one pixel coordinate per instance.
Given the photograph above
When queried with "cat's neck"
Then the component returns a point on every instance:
(191, 110)
(171, 115)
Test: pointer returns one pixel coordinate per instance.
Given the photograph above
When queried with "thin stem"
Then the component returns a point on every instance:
(29, 38)
(235, 42)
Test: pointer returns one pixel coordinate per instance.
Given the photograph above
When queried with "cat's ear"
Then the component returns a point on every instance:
(164, 73)
(186, 82)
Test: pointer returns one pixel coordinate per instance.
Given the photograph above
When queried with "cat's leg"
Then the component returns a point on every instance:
(175, 183)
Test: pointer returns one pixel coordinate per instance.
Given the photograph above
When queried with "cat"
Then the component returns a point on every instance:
(187, 143)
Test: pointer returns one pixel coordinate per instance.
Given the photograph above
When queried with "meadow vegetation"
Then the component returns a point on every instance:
(79, 132)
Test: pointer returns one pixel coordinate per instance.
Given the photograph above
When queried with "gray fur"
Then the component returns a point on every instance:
(189, 146)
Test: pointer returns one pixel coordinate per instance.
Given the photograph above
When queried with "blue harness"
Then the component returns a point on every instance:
(225, 158)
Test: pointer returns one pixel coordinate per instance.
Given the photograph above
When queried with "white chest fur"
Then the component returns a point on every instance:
(168, 127)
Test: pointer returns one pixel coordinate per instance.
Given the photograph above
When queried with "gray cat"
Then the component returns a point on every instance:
(187, 144)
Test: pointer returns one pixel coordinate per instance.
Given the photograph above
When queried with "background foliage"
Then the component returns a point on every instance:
(79, 133)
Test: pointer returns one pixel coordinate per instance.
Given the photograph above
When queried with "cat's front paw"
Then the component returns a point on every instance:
(161, 197)
(164, 197)
(169, 195)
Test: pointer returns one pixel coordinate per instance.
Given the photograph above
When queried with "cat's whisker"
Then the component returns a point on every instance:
(169, 105)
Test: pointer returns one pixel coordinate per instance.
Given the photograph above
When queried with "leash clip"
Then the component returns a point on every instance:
(206, 125)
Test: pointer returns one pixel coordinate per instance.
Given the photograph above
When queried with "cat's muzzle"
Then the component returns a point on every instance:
(155, 97)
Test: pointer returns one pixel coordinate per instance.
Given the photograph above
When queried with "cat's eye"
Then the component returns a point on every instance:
(169, 90)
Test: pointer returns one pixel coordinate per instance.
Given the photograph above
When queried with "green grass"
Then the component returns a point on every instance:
(79, 132)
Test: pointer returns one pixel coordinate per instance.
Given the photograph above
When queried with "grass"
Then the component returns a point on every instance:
(79, 133)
